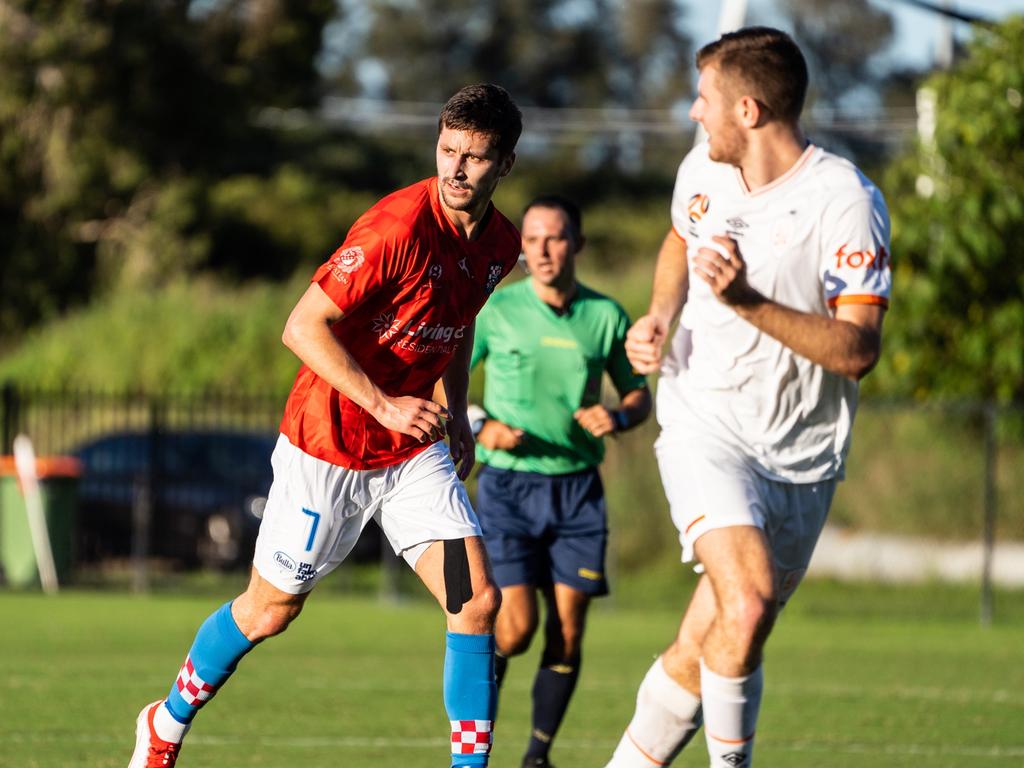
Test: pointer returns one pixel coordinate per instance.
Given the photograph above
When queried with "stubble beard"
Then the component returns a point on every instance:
(730, 147)
(465, 204)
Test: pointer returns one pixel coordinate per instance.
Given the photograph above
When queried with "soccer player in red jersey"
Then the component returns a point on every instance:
(389, 315)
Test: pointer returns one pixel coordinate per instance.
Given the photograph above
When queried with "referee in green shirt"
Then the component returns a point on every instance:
(546, 343)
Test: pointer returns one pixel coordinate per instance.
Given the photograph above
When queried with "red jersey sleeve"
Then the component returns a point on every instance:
(364, 263)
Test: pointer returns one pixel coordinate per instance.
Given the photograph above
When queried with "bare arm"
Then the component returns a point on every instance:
(848, 344)
(456, 390)
(646, 338)
(308, 334)
(635, 406)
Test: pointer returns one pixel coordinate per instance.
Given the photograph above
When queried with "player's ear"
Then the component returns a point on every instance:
(506, 164)
(750, 112)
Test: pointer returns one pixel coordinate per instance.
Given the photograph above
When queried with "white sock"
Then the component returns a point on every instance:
(666, 717)
(730, 716)
(166, 727)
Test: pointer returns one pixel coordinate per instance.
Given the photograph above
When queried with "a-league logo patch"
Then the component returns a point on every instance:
(697, 206)
(346, 261)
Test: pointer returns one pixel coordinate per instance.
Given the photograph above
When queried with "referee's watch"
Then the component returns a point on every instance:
(477, 417)
(620, 421)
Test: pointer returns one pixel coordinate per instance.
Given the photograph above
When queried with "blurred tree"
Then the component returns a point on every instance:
(839, 39)
(957, 202)
(115, 118)
(547, 53)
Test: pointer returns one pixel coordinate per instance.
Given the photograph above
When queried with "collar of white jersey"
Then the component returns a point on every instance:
(793, 171)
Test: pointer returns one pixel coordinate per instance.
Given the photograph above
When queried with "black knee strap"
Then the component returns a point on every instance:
(458, 586)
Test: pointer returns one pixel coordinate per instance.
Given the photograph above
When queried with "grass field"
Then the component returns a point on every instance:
(856, 677)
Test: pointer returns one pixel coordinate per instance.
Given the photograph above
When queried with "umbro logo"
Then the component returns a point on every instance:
(737, 223)
(735, 759)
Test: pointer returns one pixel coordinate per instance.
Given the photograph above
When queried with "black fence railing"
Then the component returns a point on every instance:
(184, 476)
(59, 421)
(181, 478)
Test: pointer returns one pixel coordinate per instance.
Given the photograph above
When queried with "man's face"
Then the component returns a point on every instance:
(468, 169)
(549, 246)
(715, 109)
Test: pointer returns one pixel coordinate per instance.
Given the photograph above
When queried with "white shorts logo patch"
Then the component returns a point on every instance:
(284, 561)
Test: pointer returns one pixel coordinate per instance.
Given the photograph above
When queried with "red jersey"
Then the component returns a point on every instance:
(410, 288)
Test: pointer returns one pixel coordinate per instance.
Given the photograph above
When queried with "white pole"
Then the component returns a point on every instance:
(731, 17)
(25, 463)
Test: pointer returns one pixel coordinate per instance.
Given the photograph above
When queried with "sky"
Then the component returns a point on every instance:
(918, 32)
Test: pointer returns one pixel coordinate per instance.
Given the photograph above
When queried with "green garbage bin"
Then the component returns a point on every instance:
(58, 487)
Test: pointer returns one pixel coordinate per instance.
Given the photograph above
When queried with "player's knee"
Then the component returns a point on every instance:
(563, 644)
(750, 615)
(272, 620)
(483, 606)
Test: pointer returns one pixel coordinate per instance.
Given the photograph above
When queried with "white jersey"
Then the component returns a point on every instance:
(815, 238)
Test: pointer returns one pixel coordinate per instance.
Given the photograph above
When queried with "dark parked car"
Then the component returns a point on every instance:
(207, 491)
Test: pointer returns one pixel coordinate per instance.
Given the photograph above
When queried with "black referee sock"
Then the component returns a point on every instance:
(500, 667)
(552, 689)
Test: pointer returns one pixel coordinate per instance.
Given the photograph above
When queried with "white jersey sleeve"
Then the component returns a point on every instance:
(856, 266)
(688, 206)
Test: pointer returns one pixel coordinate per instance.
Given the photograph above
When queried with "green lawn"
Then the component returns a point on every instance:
(856, 676)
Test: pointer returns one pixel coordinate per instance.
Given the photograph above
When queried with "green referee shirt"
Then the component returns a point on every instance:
(540, 367)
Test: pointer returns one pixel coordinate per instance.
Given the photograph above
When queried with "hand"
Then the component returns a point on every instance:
(644, 342)
(422, 419)
(596, 419)
(498, 436)
(727, 275)
(461, 444)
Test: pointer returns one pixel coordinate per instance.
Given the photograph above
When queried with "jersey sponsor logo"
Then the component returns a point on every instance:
(434, 332)
(385, 325)
(417, 337)
(697, 206)
(283, 560)
(863, 259)
(305, 572)
(346, 261)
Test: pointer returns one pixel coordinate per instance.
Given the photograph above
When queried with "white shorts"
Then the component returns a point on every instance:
(711, 485)
(317, 510)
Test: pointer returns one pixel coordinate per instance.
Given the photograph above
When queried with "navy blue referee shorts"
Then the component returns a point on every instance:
(544, 529)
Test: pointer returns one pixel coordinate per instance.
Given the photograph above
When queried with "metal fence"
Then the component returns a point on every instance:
(183, 476)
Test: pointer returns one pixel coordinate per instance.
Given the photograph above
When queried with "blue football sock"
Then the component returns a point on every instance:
(470, 696)
(216, 651)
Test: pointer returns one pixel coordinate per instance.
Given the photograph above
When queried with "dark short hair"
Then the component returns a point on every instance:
(487, 109)
(564, 204)
(764, 63)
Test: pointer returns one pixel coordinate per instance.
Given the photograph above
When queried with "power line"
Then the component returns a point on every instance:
(569, 125)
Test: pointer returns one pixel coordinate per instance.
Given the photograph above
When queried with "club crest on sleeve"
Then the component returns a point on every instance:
(346, 261)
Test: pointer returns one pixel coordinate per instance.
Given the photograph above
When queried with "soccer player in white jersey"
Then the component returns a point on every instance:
(778, 259)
